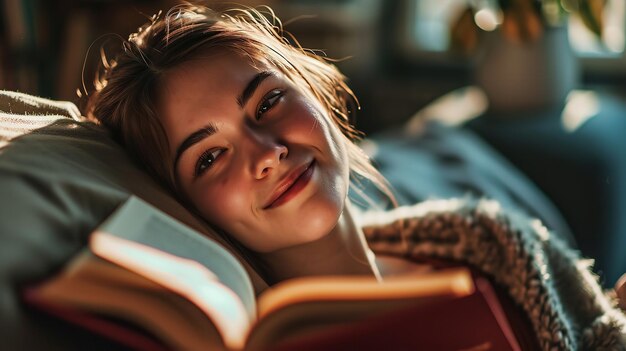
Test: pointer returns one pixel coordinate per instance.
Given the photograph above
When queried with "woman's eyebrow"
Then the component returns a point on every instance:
(251, 87)
(194, 138)
(211, 128)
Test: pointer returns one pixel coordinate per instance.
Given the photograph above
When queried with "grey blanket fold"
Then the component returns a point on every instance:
(551, 282)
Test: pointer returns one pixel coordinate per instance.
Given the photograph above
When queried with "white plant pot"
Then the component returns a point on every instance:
(519, 78)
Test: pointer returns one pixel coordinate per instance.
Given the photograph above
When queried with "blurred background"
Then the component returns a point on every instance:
(399, 54)
(542, 81)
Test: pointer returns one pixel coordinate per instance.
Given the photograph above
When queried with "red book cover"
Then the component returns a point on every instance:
(116, 331)
(474, 322)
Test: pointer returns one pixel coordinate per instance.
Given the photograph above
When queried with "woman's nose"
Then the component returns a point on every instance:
(267, 158)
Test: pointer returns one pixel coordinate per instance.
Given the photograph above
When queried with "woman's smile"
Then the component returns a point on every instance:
(292, 185)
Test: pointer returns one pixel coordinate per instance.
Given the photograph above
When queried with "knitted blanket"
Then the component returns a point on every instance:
(555, 287)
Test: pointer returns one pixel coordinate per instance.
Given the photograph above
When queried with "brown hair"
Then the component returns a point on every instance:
(124, 97)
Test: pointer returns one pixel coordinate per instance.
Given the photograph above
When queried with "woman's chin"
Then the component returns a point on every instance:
(305, 233)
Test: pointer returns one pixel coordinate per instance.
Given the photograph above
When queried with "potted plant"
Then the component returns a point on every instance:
(523, 60)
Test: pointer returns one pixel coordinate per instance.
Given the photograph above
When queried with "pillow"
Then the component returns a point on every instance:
(60, 177)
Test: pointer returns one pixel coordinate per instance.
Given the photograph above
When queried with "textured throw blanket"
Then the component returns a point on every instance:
(555, 287)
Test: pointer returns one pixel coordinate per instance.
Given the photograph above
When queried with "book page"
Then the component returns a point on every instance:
(140, 222)
(453, 282)
(94, 285)
(183, 277)
(304, 305)
(152, 244)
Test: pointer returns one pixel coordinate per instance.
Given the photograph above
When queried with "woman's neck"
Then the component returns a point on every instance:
(342, 252)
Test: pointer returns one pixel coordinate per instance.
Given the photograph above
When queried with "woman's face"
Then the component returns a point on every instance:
(255, 154)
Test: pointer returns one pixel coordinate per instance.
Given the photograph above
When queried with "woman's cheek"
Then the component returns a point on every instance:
(328, 131)
(225, 203)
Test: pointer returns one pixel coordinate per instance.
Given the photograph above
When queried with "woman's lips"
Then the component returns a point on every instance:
(293, 189)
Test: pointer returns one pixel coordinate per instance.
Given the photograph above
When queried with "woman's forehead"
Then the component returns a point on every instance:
(202, 78)
(228, 66)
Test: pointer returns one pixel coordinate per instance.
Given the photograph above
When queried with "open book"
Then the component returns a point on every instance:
(152, 283)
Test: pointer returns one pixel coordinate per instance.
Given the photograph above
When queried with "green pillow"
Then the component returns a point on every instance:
(60, 177)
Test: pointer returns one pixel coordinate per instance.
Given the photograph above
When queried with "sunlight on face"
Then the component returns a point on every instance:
(256, 155)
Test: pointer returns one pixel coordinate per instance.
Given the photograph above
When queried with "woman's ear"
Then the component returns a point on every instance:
(620, 289)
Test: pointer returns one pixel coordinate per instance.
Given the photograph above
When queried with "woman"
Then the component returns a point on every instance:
(254, 135)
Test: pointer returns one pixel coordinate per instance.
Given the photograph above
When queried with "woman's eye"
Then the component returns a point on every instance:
(206, 160)
(268, 102)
